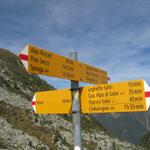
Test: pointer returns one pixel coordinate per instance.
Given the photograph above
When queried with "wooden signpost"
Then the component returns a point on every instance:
(130, 96)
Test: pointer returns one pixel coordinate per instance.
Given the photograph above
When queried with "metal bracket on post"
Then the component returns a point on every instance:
(75, 103)
(75, 109)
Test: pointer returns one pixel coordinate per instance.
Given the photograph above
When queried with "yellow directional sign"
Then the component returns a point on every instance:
(53, 102)
(117, 97)
(130, 96)
(43, 62)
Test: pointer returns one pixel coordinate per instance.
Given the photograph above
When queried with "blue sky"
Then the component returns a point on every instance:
(110, 34)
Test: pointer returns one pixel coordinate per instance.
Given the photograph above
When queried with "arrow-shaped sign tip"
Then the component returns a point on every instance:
(34, 103)
(23, 56)
(147, 94)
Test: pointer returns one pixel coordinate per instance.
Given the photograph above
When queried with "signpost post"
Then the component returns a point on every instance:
(76, 109)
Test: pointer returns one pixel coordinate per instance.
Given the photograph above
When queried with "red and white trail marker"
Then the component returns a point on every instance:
(34, 104)
(24, 57)
(147, 95)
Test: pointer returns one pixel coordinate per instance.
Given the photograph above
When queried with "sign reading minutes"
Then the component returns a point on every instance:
(39, 61)
(128, 96)
(52, 102)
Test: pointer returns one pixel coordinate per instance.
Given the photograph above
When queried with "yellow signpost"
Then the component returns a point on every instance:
(43, 62)
(117, 97)
(131, 96)
(53, 102)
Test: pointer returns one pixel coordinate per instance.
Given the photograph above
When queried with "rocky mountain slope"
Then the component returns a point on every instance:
(21, 129)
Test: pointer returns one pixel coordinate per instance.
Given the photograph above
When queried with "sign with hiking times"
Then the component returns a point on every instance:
(130, 96)
(52, 102)
(43, 62)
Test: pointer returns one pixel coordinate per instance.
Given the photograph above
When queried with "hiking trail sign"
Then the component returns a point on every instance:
(52, 102)
(130, 96)
(43, 62)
